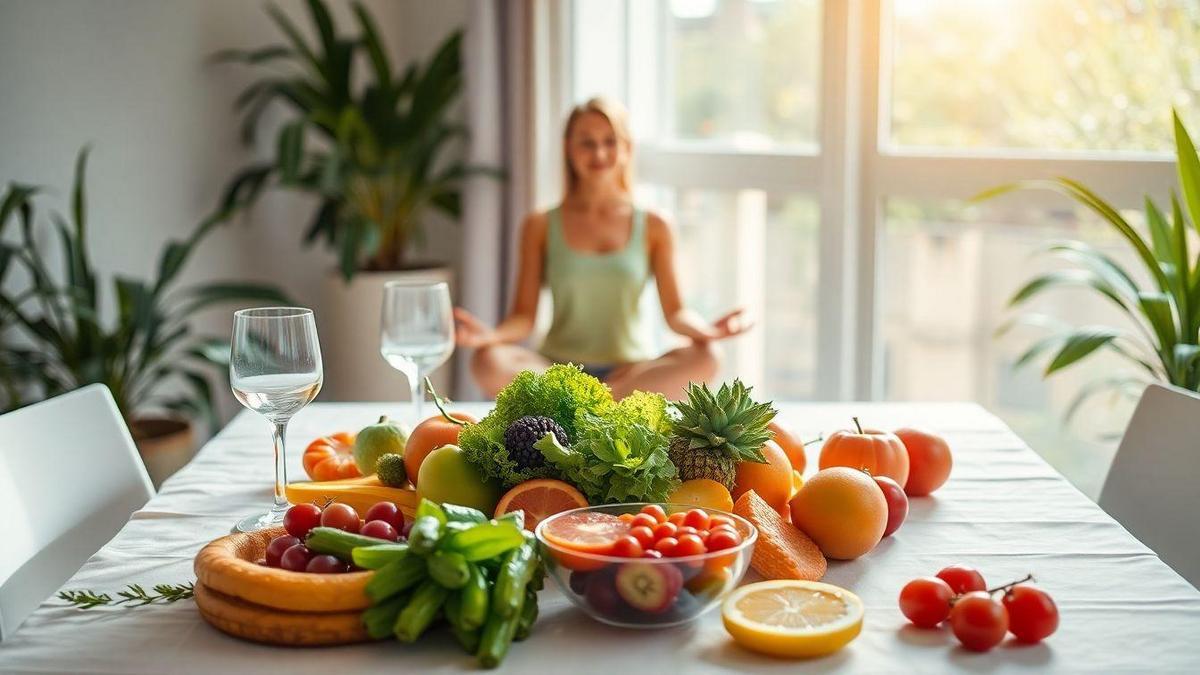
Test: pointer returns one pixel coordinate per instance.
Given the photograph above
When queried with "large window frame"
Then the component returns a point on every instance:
(852, 171)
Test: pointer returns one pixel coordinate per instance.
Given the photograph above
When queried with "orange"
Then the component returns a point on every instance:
(929, 461)
(792, 446)
(782, 551)
(843, 510)
(540, 499)
(772, 481)
(702, 492)
(588, 532)
(797, 483)
(428, 436)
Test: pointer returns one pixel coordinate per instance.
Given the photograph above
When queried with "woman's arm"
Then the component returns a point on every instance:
(661, 241)
(519, 323)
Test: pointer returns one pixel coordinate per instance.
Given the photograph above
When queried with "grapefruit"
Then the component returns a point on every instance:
(540, 499)
(843, 510)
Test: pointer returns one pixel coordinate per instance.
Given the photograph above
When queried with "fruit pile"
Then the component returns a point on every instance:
(384, 524)
(669, 575)
(960, 595)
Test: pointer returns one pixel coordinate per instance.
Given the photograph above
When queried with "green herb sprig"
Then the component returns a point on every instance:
(133, 593)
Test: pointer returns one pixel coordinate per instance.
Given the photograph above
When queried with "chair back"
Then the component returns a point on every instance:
(1153, 486)
(70, 476)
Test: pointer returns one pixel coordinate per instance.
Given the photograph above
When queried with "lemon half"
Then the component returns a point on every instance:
(792, 618)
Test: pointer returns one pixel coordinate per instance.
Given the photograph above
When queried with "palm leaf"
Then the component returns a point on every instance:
(1080, 344)
(1189, 169)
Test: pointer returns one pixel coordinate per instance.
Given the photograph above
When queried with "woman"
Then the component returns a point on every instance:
(596, 251)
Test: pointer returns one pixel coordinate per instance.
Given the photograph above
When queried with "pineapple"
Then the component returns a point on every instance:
(716, 431)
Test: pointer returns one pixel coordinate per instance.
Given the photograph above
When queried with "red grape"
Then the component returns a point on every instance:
(387, 512)
(342, 517)
(979, 622)
(926, 601)
(296, 558)
(897, 503)
(301, 518)
(962, 579)
(1032, 614)
(277, 546)
(325, 564)
(379, 529)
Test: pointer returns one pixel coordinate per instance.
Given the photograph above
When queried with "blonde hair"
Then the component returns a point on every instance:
(618, 117)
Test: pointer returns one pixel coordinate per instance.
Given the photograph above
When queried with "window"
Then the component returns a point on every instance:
(817, 158)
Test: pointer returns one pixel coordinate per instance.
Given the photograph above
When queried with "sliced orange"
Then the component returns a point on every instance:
(540, 499)
(782, 551)
(703, 492)
(585, 532)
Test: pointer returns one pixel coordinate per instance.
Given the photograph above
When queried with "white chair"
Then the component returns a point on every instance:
(1153, 486)
(70, 476)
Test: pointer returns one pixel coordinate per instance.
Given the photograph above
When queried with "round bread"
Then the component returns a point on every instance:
(271, 626)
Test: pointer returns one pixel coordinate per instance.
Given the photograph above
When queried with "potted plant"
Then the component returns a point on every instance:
(1165, 344)
(377, 149)
(53, 338)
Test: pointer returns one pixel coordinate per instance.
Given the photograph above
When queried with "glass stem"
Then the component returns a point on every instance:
(416, 382)
(281, 502)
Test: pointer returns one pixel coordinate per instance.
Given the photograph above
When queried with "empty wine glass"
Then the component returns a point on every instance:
(416, 331)
(275, 370)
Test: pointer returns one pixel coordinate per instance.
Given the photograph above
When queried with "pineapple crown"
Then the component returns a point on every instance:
(728, 422)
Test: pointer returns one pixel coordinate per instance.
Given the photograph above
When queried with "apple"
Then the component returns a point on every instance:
(897, 503)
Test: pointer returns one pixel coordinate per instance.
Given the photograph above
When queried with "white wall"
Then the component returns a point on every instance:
(131, 78)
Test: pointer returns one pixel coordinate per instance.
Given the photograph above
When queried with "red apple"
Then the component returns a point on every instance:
(897, 503)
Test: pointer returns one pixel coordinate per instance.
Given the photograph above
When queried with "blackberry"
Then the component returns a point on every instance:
(520, 436)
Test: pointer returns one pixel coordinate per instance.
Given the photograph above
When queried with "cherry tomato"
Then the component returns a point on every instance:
(666, 546)
(704, 534)
(725, 528)
(644, 535)
(1032, 614)
(962, 579)
(379, 529)
(716, 521)
(676, 518)
(656, 511)
(342, 517)
(277, 546)
(625, 517)
(689, 544)
(643, 519)
(651, 553)
(697, 518)
(686, 529)
(665, 530)
(722, 539)
(627, 547)
(301, 518)
(979, 622)
(388, 512)
(925, 601)
(296, 558)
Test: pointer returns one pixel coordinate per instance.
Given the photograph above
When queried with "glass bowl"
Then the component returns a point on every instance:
(646, 592)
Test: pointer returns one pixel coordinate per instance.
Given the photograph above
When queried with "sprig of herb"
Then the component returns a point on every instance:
(133, 593)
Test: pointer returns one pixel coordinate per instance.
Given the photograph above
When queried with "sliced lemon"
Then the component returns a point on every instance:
(792, 618)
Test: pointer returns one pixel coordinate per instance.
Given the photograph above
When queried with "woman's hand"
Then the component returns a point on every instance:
(470, 332)
(730, 325)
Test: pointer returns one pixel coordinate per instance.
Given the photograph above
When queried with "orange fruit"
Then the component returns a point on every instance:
(587, 532)
(782, 551)
(792, 446)
(540, 499)
(702, 492)
(797, 483)
(843, 510)
(430, 435)
(772, 480)
(929, 461)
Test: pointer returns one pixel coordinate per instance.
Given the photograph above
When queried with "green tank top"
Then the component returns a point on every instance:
(596, 295)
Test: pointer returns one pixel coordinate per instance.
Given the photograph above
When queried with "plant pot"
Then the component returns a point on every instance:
(348, 323)
(166, 445)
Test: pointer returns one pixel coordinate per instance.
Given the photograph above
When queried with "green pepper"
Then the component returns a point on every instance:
(483, 541)
(448, 569)
(375, 557)
(420, 611)
(453, 609)
(475, 600)
(469, 639)
(515, 573)
(394, 577)
(380, 618)
(495, 638)
(463, 514)
(529, 614)
(424, 536)
(429, 508)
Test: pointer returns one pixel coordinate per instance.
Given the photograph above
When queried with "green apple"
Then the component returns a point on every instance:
(382, 438)
(446, 477)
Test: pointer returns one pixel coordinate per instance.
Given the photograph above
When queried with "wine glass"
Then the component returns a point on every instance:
(275, 370)
(416, 332)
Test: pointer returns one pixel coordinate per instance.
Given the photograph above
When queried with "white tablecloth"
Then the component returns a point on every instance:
(1004, 511)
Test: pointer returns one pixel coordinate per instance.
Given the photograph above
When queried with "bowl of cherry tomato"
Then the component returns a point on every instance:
(646, 565)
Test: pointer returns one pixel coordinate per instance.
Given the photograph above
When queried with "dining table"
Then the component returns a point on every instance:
(1004, 511)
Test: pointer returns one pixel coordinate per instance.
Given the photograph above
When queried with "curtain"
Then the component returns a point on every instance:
(498, 58)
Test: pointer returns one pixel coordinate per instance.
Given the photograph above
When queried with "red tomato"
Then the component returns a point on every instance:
(301, 518)
(722, 539)
(697, 518)
(686, 529)
(926, 601)
(676, 518)
(962, 579)
(341, 516)
(897, 503)
(689, 544)
(979, 622)
(644, 535)
(666, 546)
(627, 547)
(656, 512)
(626, 517)
(651, 553)
(716, 521)
(643, 519)
(665, 530)
(1032, 614)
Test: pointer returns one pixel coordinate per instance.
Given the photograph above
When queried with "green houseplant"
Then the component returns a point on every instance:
(1165, 344)
(377, 155)
(53, 338)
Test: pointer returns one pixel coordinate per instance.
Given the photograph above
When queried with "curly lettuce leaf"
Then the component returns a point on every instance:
(618, 457)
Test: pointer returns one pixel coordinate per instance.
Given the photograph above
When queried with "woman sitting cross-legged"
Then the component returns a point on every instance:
(596, 251)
